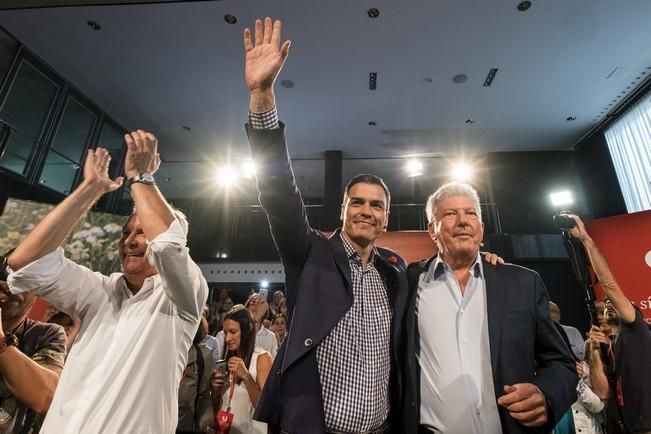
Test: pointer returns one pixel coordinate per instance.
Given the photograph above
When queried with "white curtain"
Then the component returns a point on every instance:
(629, 141)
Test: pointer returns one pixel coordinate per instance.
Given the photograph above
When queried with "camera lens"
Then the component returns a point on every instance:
(564, 221)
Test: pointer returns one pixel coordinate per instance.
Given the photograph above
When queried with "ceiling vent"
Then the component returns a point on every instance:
(372, 81)
(490, 77)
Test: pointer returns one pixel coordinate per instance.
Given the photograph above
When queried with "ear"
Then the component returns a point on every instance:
(431, 230)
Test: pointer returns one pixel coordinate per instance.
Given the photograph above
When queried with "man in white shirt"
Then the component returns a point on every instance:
(123, 373)
(483, 355)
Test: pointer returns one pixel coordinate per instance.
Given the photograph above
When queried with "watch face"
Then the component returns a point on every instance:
(147, 178)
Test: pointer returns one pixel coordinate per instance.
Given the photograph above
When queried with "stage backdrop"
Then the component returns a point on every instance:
(93, 242)
(625, 242)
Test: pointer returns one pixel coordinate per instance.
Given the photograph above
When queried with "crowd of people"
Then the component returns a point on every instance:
(358, 341)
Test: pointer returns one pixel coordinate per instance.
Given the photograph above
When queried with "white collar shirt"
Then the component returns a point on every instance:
(456, 381)
(123, 372)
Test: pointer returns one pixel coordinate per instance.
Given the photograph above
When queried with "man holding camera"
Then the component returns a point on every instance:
(631, 386)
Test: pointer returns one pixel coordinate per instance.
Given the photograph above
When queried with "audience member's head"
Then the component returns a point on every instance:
(227, 305)
(600, 308)
(278, 326)
(278, 297)
(266, 323)
(14, 306)
(365, 209)
(455, 223)
(555, 312)
(239, 334)
(223, 294)
(63, 320)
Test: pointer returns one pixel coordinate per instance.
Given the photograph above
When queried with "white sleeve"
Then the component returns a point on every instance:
(274, 345)
(64, 284)
(181, 277)
(588, 398)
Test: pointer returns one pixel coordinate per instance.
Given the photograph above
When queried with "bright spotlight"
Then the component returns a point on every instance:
(226, 176)
(561, 198)
(462, 172)
(248, 169)
(224, 256)
(264, 284)
(414, 168)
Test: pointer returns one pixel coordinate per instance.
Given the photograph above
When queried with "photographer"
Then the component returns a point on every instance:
(631, 386)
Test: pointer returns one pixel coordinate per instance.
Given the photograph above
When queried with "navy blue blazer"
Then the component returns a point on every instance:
(525, 346)
(318, 291)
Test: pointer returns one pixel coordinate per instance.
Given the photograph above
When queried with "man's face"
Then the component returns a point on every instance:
(364, 213)
(600, 308)
(14, 306)
(457, 228)
(132, 249)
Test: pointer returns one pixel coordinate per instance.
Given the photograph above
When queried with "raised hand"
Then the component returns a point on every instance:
(579, 231)
(96, 169)
(142, 153)
(264, 57)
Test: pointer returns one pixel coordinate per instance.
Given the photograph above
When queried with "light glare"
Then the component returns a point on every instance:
(561, 198)
(226, 176)
(462, 172)
(264, 284)
(414, 168)
(248, 169)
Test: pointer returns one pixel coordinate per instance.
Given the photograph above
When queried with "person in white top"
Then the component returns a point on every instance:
(123, 373)
(265, 338)
(248, 369)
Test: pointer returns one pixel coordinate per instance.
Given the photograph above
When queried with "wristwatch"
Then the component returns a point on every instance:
(9, 340)
(144, 178)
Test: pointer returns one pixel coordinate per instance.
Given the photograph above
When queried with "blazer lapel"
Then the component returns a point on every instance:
(341, 259)
(495, 298)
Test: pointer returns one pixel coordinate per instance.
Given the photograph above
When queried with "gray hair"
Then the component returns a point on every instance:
(447, 190)
(178, 216)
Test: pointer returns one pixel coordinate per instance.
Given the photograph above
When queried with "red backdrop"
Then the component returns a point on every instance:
(625, 242)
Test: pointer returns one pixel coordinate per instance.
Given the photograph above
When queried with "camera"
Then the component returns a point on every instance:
(563, 221)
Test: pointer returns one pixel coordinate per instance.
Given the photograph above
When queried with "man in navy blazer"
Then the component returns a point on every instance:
(482, 353)
(338, 369)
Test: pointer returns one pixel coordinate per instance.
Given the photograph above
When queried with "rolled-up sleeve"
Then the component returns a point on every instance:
(62, 283)
(180, 275)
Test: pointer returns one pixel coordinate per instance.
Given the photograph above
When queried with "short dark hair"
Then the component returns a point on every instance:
(368, 178)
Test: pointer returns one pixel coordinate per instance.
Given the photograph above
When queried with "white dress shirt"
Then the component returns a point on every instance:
(456, 381)
(123, 373)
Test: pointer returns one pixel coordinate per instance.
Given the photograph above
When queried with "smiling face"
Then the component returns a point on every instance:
(132, 249)
(457, 228)
(364, 213)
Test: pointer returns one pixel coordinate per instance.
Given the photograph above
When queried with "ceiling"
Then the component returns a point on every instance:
(164, 66)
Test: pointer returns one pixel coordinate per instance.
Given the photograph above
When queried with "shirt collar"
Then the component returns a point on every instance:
(351, 253)
(438, 267)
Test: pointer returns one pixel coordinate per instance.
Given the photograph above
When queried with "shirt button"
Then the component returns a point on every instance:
(308, 342)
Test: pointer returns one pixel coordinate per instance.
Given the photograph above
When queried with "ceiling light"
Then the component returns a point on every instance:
(414, 168)
(226, 176)
(186, 128)
(561, 198)
(460, 78)
(94, 25)
(470, 121)
(523, 6)
(230, 19)
(372, 123)
(287, 84)
(570, 118)
(264, 284)
(373, 13)
(462, 172)
(223, 256)
(248, 169)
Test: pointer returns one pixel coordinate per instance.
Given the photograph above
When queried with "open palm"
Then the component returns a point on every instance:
(96, 170)
(265, 57)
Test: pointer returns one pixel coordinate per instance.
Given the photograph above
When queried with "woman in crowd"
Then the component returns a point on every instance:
(248, 368)
(224, 307)
(278, 305)
(278, 327)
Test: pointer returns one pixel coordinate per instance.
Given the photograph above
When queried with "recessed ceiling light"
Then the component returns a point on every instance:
(523, 6)
(373, 12)
(230, 19)
(372, 123)
(460, 78)
(167, 178)
(470, 121)
(428, 79)
(186, 128)
(570, 118)
(94, 25)
(288, 84)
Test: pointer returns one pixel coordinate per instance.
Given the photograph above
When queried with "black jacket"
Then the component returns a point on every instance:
(318, 291)
(525, 346)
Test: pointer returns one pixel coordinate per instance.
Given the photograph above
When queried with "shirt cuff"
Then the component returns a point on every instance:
(35, 274)
(267, 120)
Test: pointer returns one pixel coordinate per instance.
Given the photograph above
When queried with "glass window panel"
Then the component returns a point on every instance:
(59, 172)
(112, 140)
(28, 102)
(17, 151)
(74, 130)
(8, 48)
